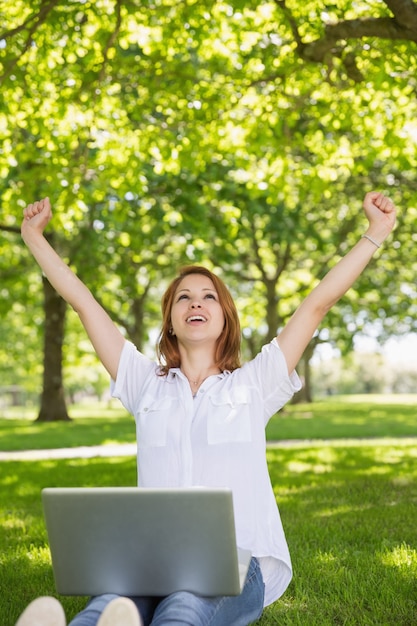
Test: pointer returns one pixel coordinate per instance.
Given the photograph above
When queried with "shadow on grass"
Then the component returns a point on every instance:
(374, 416)
(349, 417)
(25, 569)
(31, 435)
(349, 515)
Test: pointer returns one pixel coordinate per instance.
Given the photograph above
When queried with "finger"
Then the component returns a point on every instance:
(31, 210)
(373, 196)
(36, 208)
(42, 204)
(385, 204)
(371, 199)
(382, 203)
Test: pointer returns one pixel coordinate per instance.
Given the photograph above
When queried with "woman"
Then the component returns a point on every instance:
(201, 417)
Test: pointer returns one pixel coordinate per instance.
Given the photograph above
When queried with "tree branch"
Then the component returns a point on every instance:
(111, 40)
(405, 12)
(37, 20)
(10, 229)
(37, 17)
(379, 27)
(402, 26)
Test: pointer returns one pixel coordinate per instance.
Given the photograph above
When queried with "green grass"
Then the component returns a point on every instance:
(90, 426)
(349, 509)
(350, 518)
(347, 416)
(342, 417)
(25, 570)
(349, 514)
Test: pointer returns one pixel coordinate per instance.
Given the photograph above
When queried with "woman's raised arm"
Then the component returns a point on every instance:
(105, 336)
(293, 339)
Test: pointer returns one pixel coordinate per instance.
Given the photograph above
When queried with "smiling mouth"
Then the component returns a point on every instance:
(195, 318)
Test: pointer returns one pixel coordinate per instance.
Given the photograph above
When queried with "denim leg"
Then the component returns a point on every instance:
(183, 608)
(246, 608)
(95, 607)
(187, 609)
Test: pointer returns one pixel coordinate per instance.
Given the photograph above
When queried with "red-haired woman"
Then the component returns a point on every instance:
(201, 416)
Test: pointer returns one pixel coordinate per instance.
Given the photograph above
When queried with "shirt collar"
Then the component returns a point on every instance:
(173, 372)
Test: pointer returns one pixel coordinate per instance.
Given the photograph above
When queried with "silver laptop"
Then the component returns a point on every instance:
(134, 541)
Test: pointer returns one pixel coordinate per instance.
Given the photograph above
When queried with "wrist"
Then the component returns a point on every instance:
(377, 234)
(372, 240)
(31, 236)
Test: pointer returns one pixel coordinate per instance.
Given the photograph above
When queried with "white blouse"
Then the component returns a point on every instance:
(215, 439)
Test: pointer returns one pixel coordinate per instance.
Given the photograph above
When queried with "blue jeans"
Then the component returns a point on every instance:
(189, 609)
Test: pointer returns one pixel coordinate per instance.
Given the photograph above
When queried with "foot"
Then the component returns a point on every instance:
(120, 612)
(44, 611)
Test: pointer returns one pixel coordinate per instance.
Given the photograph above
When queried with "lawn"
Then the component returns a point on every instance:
(342, 417)
(91, 425)
(349, 509)
(347, 416)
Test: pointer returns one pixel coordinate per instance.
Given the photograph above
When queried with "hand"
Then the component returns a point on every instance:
(36, 216)
(381, 213)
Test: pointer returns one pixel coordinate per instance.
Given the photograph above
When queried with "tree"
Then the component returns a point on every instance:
(339, 37)
(179, 132)
(20, 321)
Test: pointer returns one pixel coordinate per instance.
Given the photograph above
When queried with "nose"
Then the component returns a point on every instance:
(195, 304)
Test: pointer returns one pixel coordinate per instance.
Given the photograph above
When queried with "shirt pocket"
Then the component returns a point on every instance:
(152, 421)
(229, 417)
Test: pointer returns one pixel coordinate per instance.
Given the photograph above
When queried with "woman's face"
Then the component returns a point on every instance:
(196, 315)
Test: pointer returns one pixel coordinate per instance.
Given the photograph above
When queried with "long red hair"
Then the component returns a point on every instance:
(228, 344)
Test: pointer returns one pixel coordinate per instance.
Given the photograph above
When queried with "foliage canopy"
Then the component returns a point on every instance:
(238, 134)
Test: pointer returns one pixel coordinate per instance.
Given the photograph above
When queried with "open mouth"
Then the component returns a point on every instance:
(196, 318)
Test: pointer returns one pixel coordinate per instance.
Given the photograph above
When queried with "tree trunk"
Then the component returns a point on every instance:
(53, 406)
(306, 393)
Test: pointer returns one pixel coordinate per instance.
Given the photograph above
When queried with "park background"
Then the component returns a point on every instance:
(242, 135)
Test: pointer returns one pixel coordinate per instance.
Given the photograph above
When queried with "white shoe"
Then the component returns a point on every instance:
(120, 612)
(44, 611)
